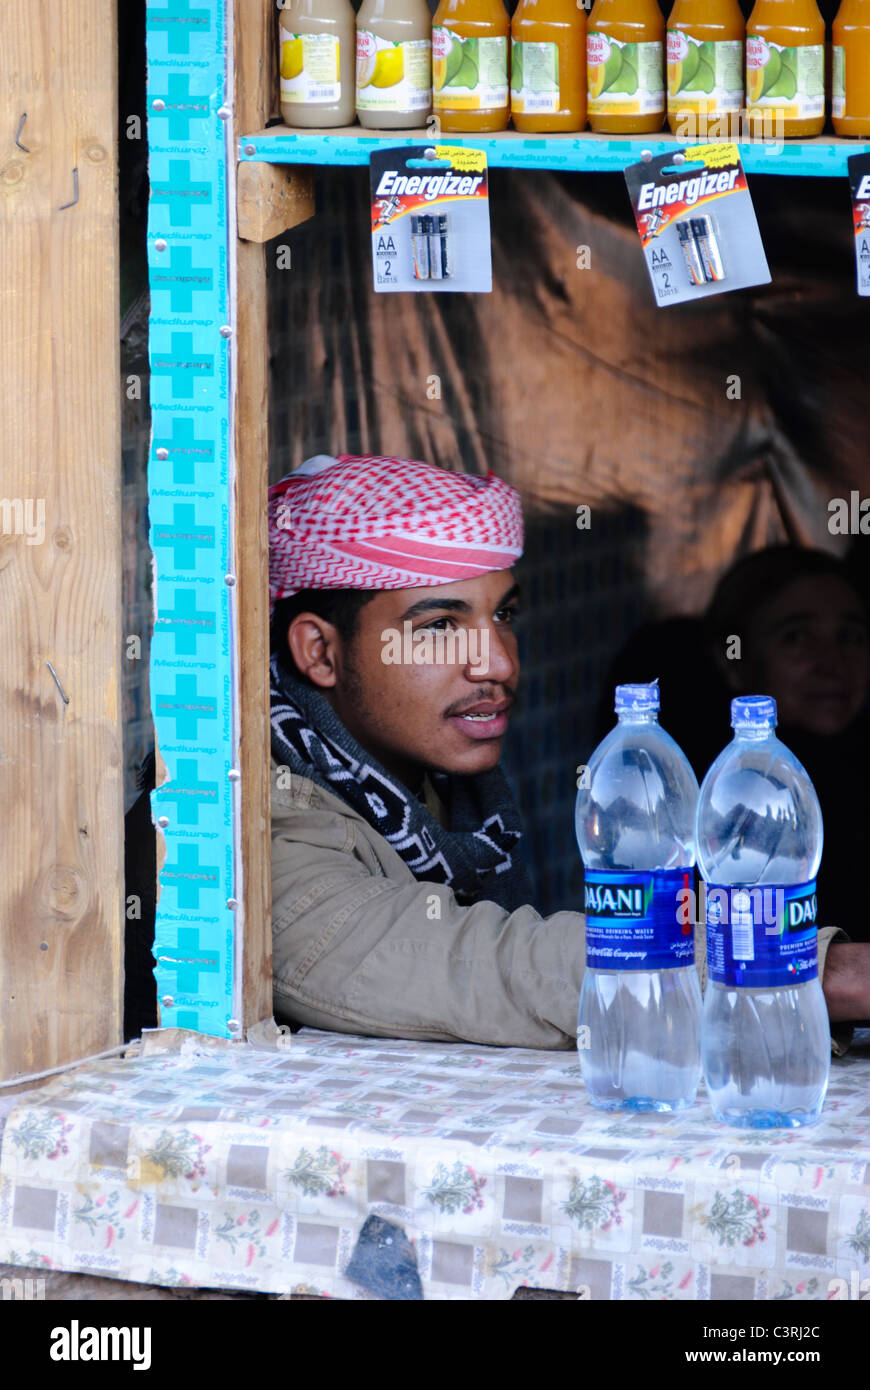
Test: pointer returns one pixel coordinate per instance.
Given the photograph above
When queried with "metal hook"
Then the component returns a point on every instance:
(63, 694)
(75, 191)
(18, 132)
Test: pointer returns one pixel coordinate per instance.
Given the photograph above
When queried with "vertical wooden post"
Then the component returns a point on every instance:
(254, 60)
(61, 764)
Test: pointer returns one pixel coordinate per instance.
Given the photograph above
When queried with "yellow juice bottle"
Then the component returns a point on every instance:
(850, 107)
(785, 69)
(548, 65)
(317, 60)
(625, 67)
(704, 50)
(470, 40)
(393, 64)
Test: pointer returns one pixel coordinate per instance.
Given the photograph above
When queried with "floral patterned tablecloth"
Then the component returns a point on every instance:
(245, 1168)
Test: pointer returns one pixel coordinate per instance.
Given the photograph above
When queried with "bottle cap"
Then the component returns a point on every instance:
(637, 697)
(753, 712)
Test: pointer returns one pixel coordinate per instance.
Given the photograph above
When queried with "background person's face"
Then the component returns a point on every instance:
(809, 649)
(413, 716)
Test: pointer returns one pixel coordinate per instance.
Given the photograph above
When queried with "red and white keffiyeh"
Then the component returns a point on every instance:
(387, 523)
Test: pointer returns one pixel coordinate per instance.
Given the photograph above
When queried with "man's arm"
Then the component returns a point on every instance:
(358, 951)
(846, 981)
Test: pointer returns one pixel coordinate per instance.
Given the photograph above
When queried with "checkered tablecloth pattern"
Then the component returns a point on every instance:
(228, 1166)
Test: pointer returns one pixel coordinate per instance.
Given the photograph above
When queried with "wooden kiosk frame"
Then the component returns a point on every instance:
(220, 178)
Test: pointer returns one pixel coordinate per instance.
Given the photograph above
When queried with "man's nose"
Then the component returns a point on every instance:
(490, 658)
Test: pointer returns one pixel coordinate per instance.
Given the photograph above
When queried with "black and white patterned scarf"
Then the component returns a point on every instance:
(477, 857)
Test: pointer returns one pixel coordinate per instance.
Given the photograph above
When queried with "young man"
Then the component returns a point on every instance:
(400, 907)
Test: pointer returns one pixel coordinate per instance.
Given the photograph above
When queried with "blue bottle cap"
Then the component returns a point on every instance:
(753, 712)
(637, 697)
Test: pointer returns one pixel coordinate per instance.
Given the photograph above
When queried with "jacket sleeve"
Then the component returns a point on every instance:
(356, 951)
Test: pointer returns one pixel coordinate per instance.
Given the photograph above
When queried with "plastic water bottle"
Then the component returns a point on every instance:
(765, 1038)
(639, 1020)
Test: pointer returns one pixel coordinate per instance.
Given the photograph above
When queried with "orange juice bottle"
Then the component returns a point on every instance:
(548, 65)
(625, 66)
(470, 65)
(785, 69)
(704, 50)
(851, 69)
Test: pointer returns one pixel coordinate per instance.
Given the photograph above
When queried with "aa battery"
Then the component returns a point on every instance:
(691, 254)
(436, 267)
(708, 247)
(446, 248)
(420, 247)
(430, 248)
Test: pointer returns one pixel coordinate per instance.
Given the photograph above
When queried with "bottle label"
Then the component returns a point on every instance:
(310, 69)
(534, 78)
(790, 79)
(762, 937)
(468, 74)
(392, 76)
(632, 920)
(703, 77)
(838, 80)
(624, 79)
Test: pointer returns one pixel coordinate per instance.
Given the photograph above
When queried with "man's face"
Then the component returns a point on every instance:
(450, 715)
(809, 649)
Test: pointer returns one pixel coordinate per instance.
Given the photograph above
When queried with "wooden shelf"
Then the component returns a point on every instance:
(509, 149)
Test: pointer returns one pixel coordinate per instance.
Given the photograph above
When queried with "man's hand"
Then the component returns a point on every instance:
(846, 981)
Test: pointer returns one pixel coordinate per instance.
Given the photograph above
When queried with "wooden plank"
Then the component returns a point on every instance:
(254, 59)
(271, 199)
(61, 794)
(256, 62)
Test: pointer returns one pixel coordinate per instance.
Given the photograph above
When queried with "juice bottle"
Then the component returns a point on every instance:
(548, 65)
(393, 63)
(470, 65)
(785, 69)
(316, 55)
(704, 51)
(625, 66)
(851, 69)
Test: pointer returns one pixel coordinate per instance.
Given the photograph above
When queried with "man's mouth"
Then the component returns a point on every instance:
(488, 719)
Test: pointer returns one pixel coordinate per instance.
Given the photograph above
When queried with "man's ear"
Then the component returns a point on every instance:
(314, 645)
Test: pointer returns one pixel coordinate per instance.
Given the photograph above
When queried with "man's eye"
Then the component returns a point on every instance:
(508, 614)
(436, 625)
(854, 636)
(793, 637)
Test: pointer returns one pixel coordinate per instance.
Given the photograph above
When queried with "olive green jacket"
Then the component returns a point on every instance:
(362, 946)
